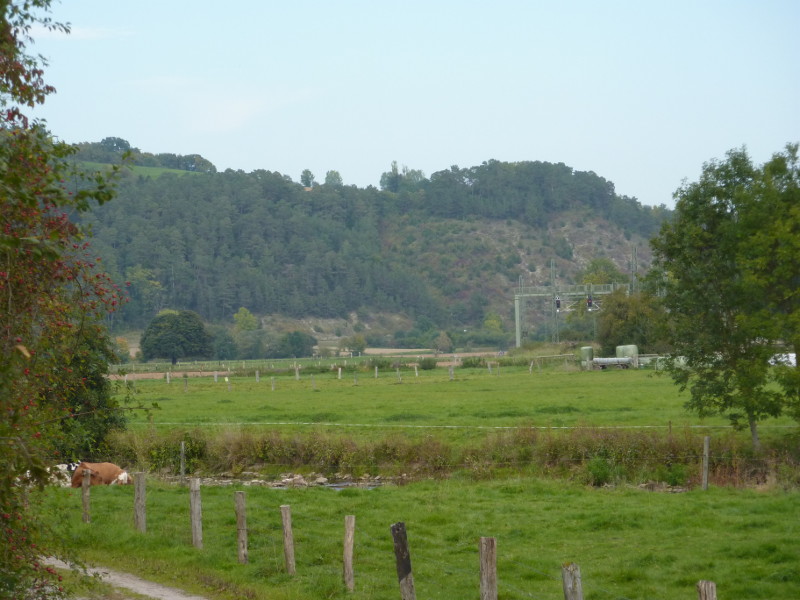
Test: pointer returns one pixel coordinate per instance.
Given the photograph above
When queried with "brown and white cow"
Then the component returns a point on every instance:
(101, 474)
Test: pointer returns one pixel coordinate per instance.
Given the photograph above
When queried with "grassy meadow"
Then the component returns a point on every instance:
(597, 427)
(629, 543)
(548, 461)
(151, 172)
(506, 397)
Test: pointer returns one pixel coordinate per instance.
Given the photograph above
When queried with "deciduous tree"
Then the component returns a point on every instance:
(176, 334)
(730, 272)
(601, 271)
(333, 179)
(295, 345)
(356, 343)
(636, 318)
(53, 358)
(245, 320)
(307, 178)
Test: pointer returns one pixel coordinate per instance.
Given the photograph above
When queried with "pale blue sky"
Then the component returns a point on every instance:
(642, 93)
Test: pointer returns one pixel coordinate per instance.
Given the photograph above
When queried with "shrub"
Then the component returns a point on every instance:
(601, 471)
(381, 363)
(473, 362)
(675, 474)
(427, 364)
(143, 450)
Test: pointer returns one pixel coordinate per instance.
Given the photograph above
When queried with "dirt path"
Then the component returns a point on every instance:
(133, 583)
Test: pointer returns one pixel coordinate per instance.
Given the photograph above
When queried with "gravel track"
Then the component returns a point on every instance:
(132, 583)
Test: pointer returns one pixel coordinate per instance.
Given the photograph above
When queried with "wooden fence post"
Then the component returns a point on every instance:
(183, 463)
(85, 498)
(349, 537)
(488, 568)
(241, 526)
(571, 579)
(403, 560)
(706, 590)
(288, 538)
(706, 444)
(139, 502)
(196, 512)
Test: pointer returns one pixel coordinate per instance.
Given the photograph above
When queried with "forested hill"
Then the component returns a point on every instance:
(448, 249)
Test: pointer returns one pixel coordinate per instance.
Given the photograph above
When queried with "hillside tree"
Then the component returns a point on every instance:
(333, 179)
(244, 320)
(295, 344)
(601, 271)
(307, 178)
(730, 271)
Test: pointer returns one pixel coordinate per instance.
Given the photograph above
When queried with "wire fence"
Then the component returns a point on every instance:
(438, 576)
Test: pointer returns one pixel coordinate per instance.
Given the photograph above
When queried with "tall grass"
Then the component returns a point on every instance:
(590, 455)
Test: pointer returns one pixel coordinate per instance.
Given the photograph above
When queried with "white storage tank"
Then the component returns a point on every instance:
(629, 351)
(587, 355)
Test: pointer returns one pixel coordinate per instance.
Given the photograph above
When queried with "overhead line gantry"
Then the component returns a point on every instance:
(562, 299)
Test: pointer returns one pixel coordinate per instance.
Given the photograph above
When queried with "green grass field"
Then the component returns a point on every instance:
(474, 398)
(545, 422)
(151, 172)
(428, 402)
(478, 447)
(629, 543)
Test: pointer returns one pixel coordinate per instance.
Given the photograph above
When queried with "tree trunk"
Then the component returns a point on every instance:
(754, 435)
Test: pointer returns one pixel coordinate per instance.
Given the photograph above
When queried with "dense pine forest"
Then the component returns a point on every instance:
(444, 251)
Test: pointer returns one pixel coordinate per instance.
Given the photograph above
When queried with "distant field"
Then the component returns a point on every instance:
(209, 367)
(138, 170)
(475, 398)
